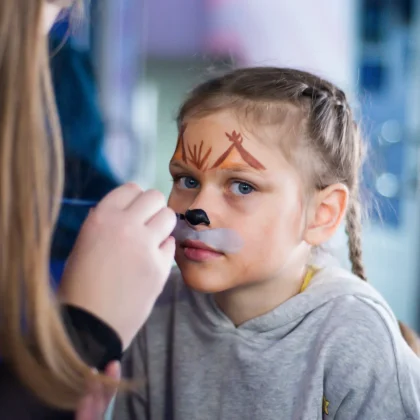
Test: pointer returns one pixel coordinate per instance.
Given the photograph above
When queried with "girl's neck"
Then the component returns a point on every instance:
(244, 303)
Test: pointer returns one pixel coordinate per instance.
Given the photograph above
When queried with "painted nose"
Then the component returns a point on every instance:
(197, 217)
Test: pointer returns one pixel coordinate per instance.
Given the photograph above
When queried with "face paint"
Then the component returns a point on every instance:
(237, 140)
(196, 217)
(222, 240)
(197, 157)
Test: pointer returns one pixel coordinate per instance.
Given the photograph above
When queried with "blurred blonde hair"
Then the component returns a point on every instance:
(33, 340)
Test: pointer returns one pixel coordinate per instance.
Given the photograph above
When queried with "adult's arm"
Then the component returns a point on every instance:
(96, 343)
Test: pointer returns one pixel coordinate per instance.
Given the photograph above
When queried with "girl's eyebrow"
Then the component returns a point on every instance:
(176, 164)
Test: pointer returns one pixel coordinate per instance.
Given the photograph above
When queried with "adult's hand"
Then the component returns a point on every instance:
(94, 405)
(121, 259)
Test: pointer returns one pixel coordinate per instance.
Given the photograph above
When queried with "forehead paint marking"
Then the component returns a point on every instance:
(180, 153)
(197, 159)
(237, 140)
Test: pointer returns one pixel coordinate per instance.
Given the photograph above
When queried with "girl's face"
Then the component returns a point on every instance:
(243, 182)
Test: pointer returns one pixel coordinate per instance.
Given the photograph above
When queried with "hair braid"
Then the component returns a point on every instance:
(354, 233)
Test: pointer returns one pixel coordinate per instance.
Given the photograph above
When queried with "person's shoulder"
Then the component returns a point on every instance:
(365, 348)
(356, 307)
(363, 321)
(333, 284)
(356, 317)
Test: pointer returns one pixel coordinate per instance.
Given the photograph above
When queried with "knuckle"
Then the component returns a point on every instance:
(125, 230)
(131, 190)
(157, 196)
(133, 187)
(169, 215)
(96, 219)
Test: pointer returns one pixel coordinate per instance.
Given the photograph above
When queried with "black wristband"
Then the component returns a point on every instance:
(95, 341)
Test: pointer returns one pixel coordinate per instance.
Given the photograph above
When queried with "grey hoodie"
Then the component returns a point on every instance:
(331, 352)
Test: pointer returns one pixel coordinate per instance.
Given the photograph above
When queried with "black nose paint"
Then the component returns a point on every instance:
(197, 217)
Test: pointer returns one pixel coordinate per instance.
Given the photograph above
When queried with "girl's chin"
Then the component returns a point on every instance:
(205, 277)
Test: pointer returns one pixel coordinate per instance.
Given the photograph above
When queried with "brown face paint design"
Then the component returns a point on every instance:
(200, 162)
(180, 153)
(237, 140)
(196, 159)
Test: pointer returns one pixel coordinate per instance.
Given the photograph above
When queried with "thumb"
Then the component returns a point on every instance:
(93, 406)
(113, 371)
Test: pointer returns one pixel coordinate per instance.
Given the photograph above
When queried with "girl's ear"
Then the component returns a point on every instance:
(326, 213)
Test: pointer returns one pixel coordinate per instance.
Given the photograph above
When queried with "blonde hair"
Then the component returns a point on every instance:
(33, 340)
(328, 132)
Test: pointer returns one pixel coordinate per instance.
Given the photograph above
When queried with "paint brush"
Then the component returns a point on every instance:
(220, 239)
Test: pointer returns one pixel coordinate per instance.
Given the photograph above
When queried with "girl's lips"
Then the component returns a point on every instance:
(197, 245)
(199, 251)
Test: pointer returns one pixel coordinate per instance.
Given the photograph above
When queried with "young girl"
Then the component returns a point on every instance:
(261, 333)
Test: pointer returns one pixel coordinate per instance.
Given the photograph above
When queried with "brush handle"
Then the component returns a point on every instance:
(78, 202)
(224, 240)
(91, 203)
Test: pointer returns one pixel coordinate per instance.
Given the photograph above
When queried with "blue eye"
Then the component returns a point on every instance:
(187, 182)
(241, 188)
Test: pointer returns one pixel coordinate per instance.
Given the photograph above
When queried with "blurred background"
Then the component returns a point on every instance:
(121, 73)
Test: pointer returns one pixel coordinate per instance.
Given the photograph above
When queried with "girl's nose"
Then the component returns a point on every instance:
(197, 217)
